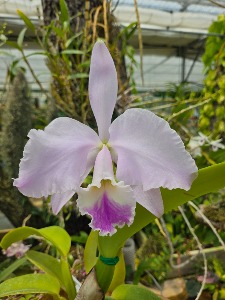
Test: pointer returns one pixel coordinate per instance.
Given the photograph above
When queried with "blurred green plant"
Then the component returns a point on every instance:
(68, 58)
(57, 272)
(212, 115)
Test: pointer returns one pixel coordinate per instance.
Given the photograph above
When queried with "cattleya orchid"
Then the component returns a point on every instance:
(17, 249)
(147, 153)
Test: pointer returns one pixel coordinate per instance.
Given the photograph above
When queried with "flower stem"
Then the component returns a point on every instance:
(104, 274)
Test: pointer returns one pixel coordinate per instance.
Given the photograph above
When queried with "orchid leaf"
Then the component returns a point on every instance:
(12, 267)
(64, 11)
(119, 273)
(57, 236)
(133, 292)
(67, 279)
(14, 45)
(72, 51)
(30, 284)
(46, 263)
(90, 250)
(209, 180)
(69, 41)
(78, 76)
(26, 20)
(52, 266)
(21, 37)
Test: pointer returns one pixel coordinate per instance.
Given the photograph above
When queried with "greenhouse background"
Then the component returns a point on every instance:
(174, 33)
(169, 56)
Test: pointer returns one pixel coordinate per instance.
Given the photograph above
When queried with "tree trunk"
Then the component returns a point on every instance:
(75, 7)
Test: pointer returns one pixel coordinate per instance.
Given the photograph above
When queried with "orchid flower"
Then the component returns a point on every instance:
(17, 249)
(147, 154)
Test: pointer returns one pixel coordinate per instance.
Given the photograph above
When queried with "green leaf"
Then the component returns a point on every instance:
(78, 75)
(21, 37)
(64, 11)
(72, 51)
(46, 263)
(54, 234)
(119, 273)
(81, 238)
(67, 279)
(58, 269)
(37, 53)
(209, 180)
(133, 292)
(90, 250)
(14, 45)
(69, 41)
(2, 52)
(13, 266)
(30, 284)
(26, 20)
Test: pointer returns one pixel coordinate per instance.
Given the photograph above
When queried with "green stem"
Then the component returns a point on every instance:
(104, 274)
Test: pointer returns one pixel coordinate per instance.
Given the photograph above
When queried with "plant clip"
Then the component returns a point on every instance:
(112, 261)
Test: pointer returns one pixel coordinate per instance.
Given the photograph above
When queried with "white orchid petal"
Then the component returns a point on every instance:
(151, 200)
(103, 88)
(56, 159)
(59, 200)
(149, 153)
(103, 167)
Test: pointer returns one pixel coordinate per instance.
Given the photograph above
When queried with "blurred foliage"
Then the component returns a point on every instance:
(212, 115)
(68, 58)
(152, 257)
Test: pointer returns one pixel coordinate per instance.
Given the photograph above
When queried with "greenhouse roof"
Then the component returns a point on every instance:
(195, 6)
(173, 34)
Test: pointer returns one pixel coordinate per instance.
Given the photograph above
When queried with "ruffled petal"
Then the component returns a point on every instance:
(103, 88)
(59, 200)
(151, 200)
(56, 159)
(149, 153)
(109, 206)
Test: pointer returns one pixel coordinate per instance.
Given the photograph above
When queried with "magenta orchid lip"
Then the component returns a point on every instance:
(147, 153)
